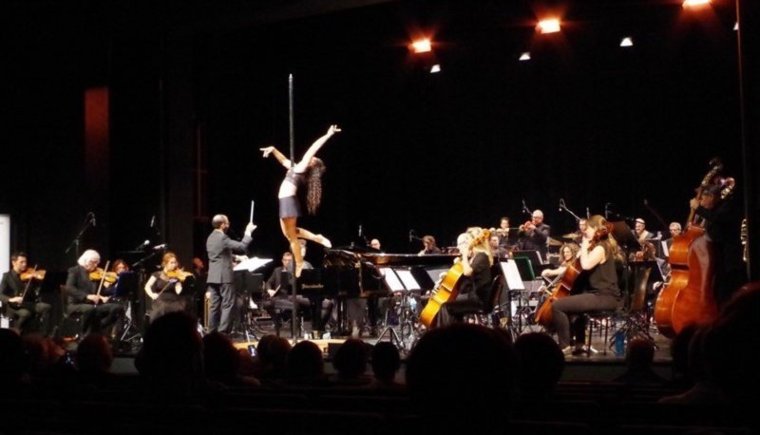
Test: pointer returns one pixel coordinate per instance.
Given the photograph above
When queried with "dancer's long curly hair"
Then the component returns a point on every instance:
(314, 184)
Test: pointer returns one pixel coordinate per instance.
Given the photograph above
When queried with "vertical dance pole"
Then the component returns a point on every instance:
(294, 311)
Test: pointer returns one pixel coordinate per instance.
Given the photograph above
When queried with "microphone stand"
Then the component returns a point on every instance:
(563, 207)
(75, 243)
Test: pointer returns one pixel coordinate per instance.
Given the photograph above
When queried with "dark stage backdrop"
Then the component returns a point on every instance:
(585, 120)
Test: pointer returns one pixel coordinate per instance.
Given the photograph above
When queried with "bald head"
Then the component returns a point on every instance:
(219, 221)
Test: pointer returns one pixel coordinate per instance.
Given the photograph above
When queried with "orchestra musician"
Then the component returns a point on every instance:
(723, 217)
(430, 246)
(533, 234)
(502, 232)
(164, 287)
(497, 251)
(675, 230)
(568, 252)
(597, 256)
(278, 294)
(640, 231)
(18, 290)
(88, 291)
(307, 172)
(475, 284)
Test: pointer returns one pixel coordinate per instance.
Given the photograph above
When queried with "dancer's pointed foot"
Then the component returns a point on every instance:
(299, 268)
(324, 241)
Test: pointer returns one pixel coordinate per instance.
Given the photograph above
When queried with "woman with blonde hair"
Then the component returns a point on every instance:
(475, 283)
(597, 258)
(307, 172)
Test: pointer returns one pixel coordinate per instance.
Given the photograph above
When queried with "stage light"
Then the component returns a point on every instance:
(548, 25)
(422, 46)
(695, 3)
(525, 56)
(435, 69)
(626, 42)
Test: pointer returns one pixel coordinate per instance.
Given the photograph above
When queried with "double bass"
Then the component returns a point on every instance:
(448, 287)
(688, 297)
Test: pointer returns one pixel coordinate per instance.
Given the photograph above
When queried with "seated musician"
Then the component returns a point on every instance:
(89, 294)
(597, 257)
(497, 251)
(475, 284)
(18, 290)
(430, 246)
(278, 292)
(164, 287)
(568, 252)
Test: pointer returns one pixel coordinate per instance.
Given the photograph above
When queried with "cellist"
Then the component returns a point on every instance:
(597, 258)
(722, 222)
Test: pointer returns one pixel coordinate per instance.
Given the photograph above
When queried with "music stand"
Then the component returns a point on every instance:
(624, 237)
(398, 281)
(125, 290)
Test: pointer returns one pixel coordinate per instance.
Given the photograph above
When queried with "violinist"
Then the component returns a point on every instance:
(88, 290)
(534, 234)
(165, 286)
(722, 221)
(18, 294)
(597, 257)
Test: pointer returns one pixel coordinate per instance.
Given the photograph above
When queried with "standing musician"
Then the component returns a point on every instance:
(502, 232)
(88, 289)
(165, 286)
(17, 300)
(534, 234)
(475, 284)
(309, 172)
(597, 258)
(723, 219)
(220, 250)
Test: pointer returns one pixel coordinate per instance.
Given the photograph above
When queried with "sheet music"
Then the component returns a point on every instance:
(665, 250)
(509, 268)
(408, 280)
(391, 279)
(251, 264)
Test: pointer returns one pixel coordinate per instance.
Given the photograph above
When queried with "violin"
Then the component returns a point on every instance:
(100, 274)
(33, 274)
(178, 274)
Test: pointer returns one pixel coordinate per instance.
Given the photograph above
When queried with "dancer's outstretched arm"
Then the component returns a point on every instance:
(284, 161)
(312, 151)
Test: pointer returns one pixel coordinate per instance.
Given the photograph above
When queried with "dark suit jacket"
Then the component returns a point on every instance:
(535, 241)
(220, 249)
(79, 285)
(10, 286)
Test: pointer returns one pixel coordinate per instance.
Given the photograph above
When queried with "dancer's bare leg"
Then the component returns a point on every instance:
(316, 238)
(289, 229)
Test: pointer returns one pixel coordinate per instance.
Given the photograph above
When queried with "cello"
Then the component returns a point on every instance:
(688, 297)
(448, 287)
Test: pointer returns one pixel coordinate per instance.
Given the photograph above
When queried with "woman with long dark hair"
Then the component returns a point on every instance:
(307, 172)
(597, 258)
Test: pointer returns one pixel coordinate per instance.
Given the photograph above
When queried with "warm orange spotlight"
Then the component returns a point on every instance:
(695, 3)
(548, 25)
(421, 46)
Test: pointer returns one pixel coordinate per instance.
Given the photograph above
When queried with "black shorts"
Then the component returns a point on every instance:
(289, 207)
